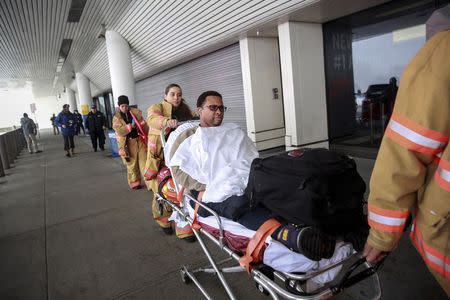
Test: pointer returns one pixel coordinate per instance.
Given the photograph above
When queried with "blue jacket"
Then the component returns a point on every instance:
(69, 120)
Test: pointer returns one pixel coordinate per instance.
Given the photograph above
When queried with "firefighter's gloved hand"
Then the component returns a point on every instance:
(373, 255)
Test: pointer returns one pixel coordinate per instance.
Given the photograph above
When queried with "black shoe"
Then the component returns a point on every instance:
(167, 230)
(309, 241)
(39, 151)
(31, 152)
(68, 154)
(95, 149)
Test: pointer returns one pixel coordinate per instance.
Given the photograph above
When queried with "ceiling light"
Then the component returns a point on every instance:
(102, 33)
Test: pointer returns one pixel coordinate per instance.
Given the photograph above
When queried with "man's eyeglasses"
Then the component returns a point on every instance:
(214, 108)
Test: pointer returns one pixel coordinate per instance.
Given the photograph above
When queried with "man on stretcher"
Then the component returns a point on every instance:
(213, 162)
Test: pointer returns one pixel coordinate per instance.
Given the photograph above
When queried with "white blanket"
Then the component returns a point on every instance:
(219, 157)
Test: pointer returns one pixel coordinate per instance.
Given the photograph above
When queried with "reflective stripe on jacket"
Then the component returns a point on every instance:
(412, 170)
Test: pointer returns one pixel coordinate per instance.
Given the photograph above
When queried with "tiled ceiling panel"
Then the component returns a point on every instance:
(160, 33)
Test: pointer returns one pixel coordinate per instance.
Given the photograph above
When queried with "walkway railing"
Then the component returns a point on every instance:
(11, 143)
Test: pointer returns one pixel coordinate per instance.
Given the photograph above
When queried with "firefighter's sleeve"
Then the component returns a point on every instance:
(187, 181)
(120, 128)
(417, 134)
(155, 117)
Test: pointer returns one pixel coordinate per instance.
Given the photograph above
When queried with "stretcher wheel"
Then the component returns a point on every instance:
(297, 287)
(268, 271)
(262, 289)
(185, 277)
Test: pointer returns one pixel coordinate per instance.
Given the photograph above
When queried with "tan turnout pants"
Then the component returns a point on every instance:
(155, 156)
(136, 163)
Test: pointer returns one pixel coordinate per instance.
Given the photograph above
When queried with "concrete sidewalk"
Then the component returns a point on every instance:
(70, 228)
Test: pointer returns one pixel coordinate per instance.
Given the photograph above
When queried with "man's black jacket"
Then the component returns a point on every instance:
(95, 122)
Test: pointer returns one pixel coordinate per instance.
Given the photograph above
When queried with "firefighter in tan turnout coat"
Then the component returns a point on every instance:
(131, 133)
(168, 113)
(412, 171)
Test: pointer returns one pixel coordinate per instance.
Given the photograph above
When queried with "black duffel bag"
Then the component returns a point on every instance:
(310, 187)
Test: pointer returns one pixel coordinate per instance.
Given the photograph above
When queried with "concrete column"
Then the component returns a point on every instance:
(77, 99)
(70, 99)
(84, 93)
(120, 68)
(304, 93)
(261, 78)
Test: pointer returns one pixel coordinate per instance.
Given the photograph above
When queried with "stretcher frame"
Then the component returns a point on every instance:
(293, 283)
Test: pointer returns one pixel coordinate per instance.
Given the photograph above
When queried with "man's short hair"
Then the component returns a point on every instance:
(202, 98)
(25, 115)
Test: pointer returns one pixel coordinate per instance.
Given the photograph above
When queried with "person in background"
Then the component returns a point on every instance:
(391, 94)
(95, 124)
(55, 127)
(68, 123)
(171, 110)
(131, 134)
(412, 170)
(80, 125)
(29, 131)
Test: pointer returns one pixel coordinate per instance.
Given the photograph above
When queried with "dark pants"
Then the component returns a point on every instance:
(237, 208)
(100, 135)
(253, 219)
(68, 142)
(55, 130)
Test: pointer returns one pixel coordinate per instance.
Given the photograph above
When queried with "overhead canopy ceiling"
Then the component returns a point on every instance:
(45, 42)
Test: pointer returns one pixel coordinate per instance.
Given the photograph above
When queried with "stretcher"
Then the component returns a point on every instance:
(294, 277)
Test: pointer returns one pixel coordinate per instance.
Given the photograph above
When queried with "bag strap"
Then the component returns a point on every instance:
(140, 130)
(256, 244)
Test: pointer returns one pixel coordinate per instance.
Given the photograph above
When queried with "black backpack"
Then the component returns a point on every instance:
(310, 187)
